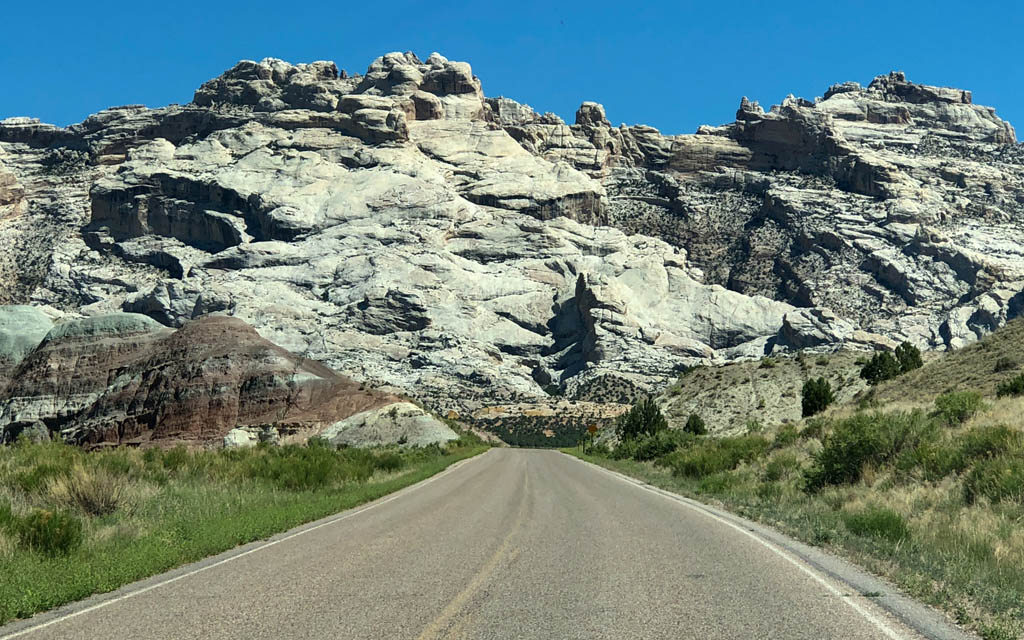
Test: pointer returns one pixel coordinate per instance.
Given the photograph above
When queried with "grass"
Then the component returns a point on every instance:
(932, 499)
(74, 523)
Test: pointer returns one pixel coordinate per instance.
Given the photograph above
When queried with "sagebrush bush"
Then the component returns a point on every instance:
(998, 479)
(940, 458)
(96, 492)
(175, 459)
(991, 441)
(651, 446)
(780, 466)
(877, 522)
(1005, 364)
(874, 438)
(39, 476)
(786, 436)
(50, 532)
(710, 456)
(1012, 387)
(957, 407)
(719, 482)
(390, 462)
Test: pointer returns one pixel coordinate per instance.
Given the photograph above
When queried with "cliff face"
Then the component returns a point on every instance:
(407, 230)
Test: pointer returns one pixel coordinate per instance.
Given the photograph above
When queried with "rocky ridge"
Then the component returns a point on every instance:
(409, 231)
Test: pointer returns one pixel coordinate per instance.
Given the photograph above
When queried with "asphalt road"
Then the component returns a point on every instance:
(512, 544)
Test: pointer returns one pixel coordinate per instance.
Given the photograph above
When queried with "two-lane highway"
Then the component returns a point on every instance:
(513, 544)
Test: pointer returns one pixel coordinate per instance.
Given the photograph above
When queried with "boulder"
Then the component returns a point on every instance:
(402, 423)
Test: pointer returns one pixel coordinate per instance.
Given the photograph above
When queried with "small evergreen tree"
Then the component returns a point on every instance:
(817, 395)
(644, 418)
(881, 367)
(909, 357)
(695, 425)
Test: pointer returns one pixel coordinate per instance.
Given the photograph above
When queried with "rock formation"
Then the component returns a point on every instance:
(409, 231)
(125, 379)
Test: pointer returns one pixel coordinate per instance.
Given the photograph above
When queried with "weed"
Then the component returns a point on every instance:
(877, 522)
(51, 532)
(998, 479)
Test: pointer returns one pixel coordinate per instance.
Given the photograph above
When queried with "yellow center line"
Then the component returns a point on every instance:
(439, 628)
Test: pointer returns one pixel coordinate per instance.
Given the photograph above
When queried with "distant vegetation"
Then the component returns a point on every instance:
(73, 523)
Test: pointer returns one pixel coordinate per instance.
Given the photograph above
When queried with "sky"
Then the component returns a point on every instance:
(670, 65)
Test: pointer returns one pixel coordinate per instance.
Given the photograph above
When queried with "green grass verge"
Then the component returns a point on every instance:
(934, 505)
(141, 513)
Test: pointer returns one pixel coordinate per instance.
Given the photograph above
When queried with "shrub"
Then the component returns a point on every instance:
(718, 483)
(390, 461)
(715, 456)
(695, 425)
(779, 466)
(301, 468)
(97, 492)
(651, 446)
(39, 476)
(866, 438)
(822, 361)
(909, 357)
(989, 442)
(816, 396)
(815, 428)
(1012, 387)
(176, 458)
(881, 367)
(1005, 364)
(939, 459)
(786, 436)
(997, 479)
(877, 522)
(768, 363)
(644, 418)
(51, 532)
(317, 442)
(8, 521)
(957, 407)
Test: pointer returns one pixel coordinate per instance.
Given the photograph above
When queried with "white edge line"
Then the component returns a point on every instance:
(882, 625)
(344, 516)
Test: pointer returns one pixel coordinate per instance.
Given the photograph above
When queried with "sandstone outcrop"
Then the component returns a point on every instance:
(409, 231)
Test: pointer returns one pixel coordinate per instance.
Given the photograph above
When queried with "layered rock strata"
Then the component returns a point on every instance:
(409, 231)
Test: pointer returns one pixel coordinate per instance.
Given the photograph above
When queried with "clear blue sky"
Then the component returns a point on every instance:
(672, 65)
